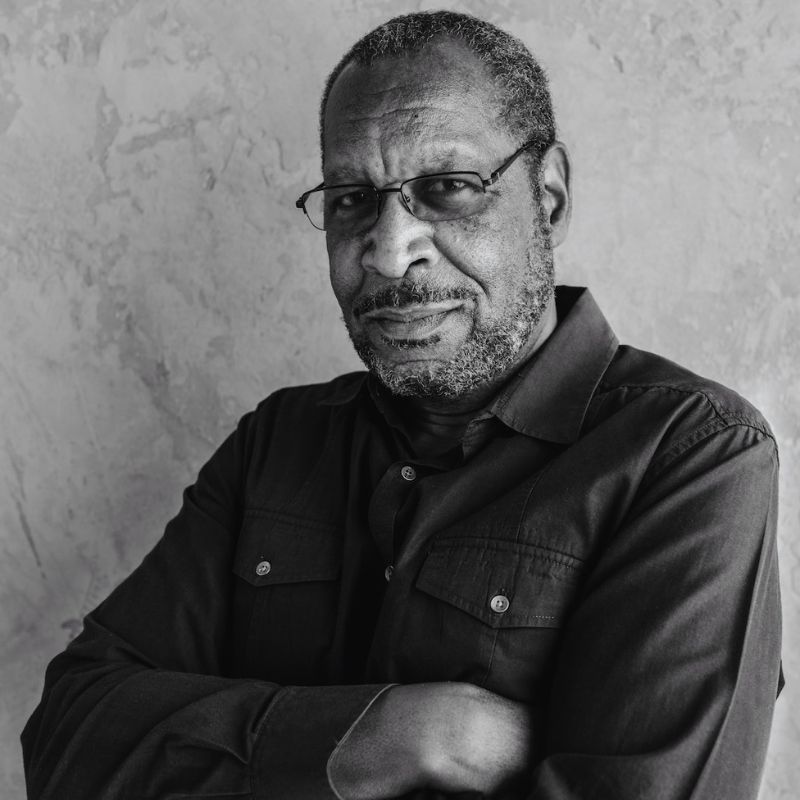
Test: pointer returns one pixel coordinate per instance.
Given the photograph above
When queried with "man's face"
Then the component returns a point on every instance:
(435, 309)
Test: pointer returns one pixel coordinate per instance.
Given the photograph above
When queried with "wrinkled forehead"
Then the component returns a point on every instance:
(444, 87)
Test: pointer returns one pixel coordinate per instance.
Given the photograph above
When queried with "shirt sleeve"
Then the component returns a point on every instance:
(667, 677)
(139, 704)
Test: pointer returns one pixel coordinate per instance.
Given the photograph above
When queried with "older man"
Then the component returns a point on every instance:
(513, 559)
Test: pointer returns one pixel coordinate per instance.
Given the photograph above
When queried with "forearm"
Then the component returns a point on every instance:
(449, 736)
(110, 727)
(115, 731)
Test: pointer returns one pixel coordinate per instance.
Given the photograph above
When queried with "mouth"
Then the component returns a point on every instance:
(417, 321)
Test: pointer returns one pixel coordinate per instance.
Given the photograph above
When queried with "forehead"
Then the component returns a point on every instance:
(430, 106)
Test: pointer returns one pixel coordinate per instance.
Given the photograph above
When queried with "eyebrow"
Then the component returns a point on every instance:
(345, 177)
(450, 159)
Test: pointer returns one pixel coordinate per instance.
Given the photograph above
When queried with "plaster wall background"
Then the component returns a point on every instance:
(156, 281)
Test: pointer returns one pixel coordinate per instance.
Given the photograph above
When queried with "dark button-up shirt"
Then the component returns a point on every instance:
(600, 546)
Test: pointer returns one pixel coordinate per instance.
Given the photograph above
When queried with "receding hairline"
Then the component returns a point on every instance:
(515, 82)
(486, 92)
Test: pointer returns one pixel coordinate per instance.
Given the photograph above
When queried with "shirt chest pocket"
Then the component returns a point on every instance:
(492, 611)
(285, 596)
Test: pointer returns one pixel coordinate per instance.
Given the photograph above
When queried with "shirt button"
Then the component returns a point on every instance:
(408, 473)
(499, 604)
(263, 568)
(387, 573)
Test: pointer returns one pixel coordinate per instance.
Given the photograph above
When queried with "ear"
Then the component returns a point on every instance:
(556, 193)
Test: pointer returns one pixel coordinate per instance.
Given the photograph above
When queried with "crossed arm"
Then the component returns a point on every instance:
(657, 692)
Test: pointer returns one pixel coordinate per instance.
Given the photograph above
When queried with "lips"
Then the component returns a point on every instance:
(411, 322)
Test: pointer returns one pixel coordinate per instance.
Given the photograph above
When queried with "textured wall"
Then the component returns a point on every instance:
(156, 281)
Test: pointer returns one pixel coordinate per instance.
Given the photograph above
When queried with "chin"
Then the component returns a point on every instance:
(424, 379)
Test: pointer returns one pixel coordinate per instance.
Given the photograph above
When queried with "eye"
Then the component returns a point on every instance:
(448, 186)
(445, 196)
(348, 201)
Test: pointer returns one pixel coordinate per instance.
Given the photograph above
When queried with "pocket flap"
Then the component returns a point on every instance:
(275, 548)
(504, 584)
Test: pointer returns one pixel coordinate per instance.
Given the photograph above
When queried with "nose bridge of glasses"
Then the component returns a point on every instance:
(404, 199)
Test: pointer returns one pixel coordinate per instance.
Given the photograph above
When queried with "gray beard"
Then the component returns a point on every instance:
(488, 351)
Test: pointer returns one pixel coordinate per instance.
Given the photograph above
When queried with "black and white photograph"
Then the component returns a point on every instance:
(399, 400)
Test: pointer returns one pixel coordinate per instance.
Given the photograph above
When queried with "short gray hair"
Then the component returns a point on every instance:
(526, 107)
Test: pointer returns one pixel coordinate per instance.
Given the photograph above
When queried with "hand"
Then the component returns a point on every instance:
(449, 736)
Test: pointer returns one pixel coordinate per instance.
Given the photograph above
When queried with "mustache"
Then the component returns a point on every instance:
(407, 294)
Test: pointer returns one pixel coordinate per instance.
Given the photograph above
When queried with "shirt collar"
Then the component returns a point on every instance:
(549, 396)
(346, 388)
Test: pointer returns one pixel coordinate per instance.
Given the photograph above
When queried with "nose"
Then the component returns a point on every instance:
(397, 241)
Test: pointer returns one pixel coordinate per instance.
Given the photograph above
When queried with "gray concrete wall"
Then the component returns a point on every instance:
(156, 281)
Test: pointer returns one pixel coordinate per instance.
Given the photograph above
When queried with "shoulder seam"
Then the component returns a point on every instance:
(711, 428)
(727, 415)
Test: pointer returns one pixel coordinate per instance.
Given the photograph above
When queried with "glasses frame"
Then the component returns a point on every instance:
(379, 193)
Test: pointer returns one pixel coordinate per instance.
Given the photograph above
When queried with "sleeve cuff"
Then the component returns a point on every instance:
(300, 730)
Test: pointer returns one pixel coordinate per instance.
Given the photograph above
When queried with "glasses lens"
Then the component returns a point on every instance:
(342, 207)
(448, 196)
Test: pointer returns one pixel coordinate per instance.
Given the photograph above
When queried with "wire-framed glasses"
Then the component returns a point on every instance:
(351, 207)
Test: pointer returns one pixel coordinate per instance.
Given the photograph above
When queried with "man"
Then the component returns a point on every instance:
(515, 559)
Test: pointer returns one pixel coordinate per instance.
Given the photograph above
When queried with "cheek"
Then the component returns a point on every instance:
(489, 252)
(344, 270)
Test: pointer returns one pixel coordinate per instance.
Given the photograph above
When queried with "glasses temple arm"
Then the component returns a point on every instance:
(301, 201)
(503, 167)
